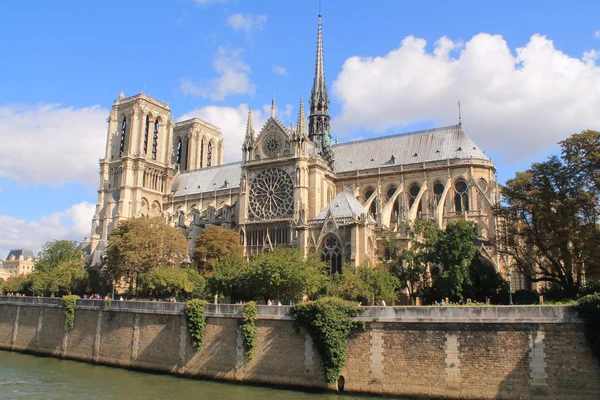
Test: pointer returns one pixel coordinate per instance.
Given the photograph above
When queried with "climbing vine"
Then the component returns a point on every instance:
(69, 303)
(195, 317)
(249, 329)
(329, 321)
(588, 308)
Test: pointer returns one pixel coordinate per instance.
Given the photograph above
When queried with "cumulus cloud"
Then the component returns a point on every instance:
(279, 70)
(233, 77)
(247, 22)
(514, 103)
(51, 144)
(72, 224)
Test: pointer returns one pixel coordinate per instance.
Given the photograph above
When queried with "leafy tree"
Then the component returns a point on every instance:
(142, 245)
(215, 245)
(454, 251)
(164, 281)
(14, 284)
(364, 284)
(59, 268)
(197, 283)
(348, 285)
(551, 215)
(231, 278)
(283, 274)
(486, 282)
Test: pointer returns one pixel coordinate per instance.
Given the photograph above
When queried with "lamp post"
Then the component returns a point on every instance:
(510, 303)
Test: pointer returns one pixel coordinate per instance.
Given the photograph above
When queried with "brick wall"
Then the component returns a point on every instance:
(510, 353)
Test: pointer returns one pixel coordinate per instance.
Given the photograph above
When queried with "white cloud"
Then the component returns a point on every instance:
(590, 56)
(597, 34)
(247, 22)
(73, 224)
(516, 105)
(51, 144)
(233, 77)
(279, 70)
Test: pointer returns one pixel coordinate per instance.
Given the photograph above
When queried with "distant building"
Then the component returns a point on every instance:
(18, 262)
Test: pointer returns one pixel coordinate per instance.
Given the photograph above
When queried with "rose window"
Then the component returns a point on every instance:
(272, 145)
(271, 194)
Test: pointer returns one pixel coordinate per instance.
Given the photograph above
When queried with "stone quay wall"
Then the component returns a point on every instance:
(528, 352)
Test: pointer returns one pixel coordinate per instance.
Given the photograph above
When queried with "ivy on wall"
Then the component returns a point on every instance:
(329, 321)
(69, 303)
(195, 316)
(249, 329)
(588, 308)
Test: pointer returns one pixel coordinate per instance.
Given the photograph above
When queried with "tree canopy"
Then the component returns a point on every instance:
(550, 216)
(59, 268)
(141, 245)
(215, 245)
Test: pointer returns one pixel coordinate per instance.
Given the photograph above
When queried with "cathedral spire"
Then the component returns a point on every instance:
(273, 107)
(249, 128)
(301, 119)
(318, 120)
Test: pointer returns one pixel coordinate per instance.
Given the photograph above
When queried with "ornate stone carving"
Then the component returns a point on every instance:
(271, 194)
(272, 144)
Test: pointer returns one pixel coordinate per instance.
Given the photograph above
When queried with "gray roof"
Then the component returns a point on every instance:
(20, 252)
(344, 205)
(207, 179)
(436, 144)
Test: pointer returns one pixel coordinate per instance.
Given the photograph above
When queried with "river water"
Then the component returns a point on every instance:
(24, 376)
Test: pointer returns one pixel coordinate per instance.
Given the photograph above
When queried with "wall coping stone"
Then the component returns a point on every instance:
(404, 314)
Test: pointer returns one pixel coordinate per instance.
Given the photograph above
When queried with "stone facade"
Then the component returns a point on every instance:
(293, 185)
(433, 352)
(17, 262)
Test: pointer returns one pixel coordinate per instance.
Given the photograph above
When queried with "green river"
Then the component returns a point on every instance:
(24, 376)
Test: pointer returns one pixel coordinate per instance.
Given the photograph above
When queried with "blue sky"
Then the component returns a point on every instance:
(525, 73)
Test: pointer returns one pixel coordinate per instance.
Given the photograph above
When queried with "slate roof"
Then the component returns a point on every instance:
(344, 205)
(207, 179)
(20, 252)
(436, 144)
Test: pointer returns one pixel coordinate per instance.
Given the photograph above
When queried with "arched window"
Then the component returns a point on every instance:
(438, 191)
(331, 254)
(178, 157)
(461, 198)
(481, 195)
(201, 153)
(413, 192)
(396, 208)
(373, 207)
(146, 132)
(186, 152)
(123, 135)
(155, 139)
(209, 154)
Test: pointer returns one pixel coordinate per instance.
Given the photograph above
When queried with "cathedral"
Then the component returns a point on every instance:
(293, 187)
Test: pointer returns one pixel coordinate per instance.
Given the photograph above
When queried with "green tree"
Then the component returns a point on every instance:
(348, 285)
(59, 268)
(231, 278)
(14, 284)
(364, 284)
(55, 252)
(169, 281)
(486, 282)
(215, 245)
(139, 245)
(550, 216)
(454, 251)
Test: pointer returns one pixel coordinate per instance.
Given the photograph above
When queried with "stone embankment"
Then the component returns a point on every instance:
(530, 352)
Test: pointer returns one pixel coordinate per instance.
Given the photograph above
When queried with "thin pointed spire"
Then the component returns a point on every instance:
(459, 115)
(301, 119)
(249, 127)
(319, 90)
(273, 107)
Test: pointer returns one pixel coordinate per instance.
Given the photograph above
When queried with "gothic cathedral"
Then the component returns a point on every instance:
(293, 186)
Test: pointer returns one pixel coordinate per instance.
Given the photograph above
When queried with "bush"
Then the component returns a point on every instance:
(195, 316)
(249, 330)
(69, 303)
(329, 321)
(588, 308)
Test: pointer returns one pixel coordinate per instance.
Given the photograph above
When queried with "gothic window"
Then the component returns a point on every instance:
(209, 154)
(373, 207)
(185, 154)
(201, 152)
(271, 145)
(123, 135)
(438, 190)
(396, 208)
(480, 196)
(413, 192)
(331, 254)
(155, 140)
(461, 198)
(178, 157)
(271, 194)
(146, 132)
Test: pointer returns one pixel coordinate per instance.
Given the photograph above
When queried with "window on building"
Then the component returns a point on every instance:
(201, 153)
(413, 193)
(373, 207)
(146, 133)
(178, 157)
(209, 154)
(185, 154)
(396, 207)
(155, 140)
(331, 254)
(438, 191)
(481, 195)
(461, 198)
(123, 137)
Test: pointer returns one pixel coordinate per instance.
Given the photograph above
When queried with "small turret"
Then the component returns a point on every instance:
(301, 127)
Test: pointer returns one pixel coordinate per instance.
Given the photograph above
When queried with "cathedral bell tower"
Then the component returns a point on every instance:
(318, 120)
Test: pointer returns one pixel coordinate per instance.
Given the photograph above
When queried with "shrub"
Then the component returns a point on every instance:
(69, 303)
(249, 330)
(588, 308)
(329, 321)
(195, 317)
